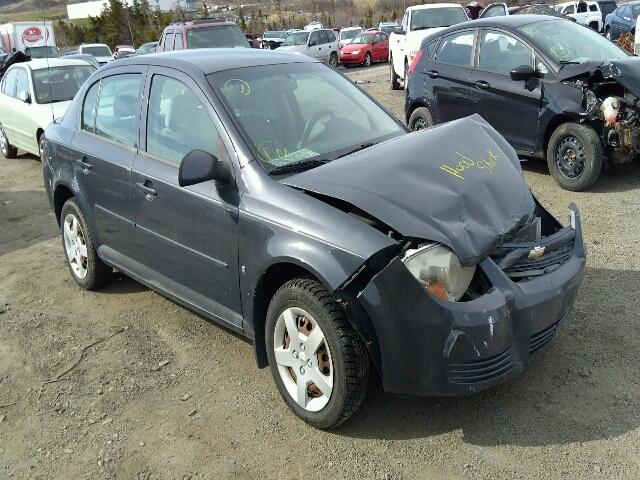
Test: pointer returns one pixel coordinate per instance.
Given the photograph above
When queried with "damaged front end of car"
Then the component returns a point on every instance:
(610, 103)
(481, 275)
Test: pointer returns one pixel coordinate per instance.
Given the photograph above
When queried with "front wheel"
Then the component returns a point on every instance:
(607, 34)
(333, 60)
(318, 362)
(8, 150)
(420, 119)
(574, 156)
(367, 60)
(395, 79)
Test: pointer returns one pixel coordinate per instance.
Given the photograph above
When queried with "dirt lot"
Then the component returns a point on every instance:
(171, 395)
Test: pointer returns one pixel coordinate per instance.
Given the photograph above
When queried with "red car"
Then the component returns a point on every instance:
(365, 48)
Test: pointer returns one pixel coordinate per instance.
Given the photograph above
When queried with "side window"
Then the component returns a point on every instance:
(178, 43)
(431, 47)
(571, 9)
(384, 36)
(593, 7)
(89, 108)
(456, 48)
(324, 37)
(117, 106)
(494, 11)
(331, 35)
(314, 38)
(168, 41)
(377, 38)
(501, 53)
(582, 7)
(178, 123)
(22, 82)
(9, 85)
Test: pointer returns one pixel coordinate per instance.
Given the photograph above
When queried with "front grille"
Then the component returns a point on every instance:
(540, 339)
(481, 370)
(527, 268)
(529, 233)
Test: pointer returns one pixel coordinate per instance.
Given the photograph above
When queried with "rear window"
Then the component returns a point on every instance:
(98, 51)
(219, 36)
(437, 17)
(607, 7)
(58, 84)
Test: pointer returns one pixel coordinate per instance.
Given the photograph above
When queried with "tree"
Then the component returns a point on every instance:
(204, 11)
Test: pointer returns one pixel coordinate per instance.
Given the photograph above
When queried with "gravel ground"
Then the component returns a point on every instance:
(166, 394)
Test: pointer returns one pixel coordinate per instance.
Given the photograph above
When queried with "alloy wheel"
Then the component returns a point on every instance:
(570, 157)
(4, 143)
(75, 246)
(303, 359)
(333, 61)
(367, 60)
(419, 124)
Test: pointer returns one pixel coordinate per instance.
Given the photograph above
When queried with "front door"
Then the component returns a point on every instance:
(380, 47)
(104, 148)
(447, 76)
(511, 107)
(187, 238)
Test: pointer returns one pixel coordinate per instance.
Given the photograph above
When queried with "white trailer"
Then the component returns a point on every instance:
(26, 36)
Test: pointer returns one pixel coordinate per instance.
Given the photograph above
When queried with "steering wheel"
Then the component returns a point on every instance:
(312, 123)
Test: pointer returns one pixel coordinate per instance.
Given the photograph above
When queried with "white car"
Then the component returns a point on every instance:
(585, 13)
(32, 94)
(347, 34)
(100, 51)
(419, 22)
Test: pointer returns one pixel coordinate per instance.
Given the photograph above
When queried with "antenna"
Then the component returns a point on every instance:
(44, 25)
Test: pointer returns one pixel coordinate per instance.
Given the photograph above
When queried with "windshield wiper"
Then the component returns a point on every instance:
(357, 149)
(297, 166)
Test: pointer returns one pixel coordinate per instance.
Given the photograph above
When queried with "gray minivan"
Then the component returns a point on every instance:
(320, 44)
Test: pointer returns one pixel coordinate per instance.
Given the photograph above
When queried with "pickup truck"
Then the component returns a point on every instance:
(419, 22)
(585, 13)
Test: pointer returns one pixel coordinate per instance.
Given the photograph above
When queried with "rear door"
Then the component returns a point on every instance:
(511, 107)
(380, 47)
(22, 122)
(186, 237)
(448, 75)
(8, 105)
(104, 148)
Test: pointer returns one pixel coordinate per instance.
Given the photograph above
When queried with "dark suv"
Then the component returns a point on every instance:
(204, 33)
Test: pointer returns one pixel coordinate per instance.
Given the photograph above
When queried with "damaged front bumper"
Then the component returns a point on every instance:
(430, 346)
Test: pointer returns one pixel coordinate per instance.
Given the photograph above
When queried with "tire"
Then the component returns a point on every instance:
(339, 360)
(8, 150)
(89, 272)
(367, 60)
(333, 60)
(41, 146)
(420, 119)
(574, 156)
(395, 80)
(594, 26)
(405, 82)
(607, 34)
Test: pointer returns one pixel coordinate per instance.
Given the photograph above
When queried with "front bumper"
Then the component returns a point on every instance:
(351, 59)
(433, 347)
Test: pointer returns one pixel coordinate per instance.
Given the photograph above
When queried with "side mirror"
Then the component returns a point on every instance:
(199, 166)
(523, 72)
(24, 97)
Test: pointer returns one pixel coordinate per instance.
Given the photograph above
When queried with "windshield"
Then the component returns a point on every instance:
(568, 42)
(57, 84)
(220, 36)
(301, 112)
(348, 34)
(296, 38)
(98, 51)
(388, 29)
(42, 52)
(363, 38)
(437, 17)
(274, 34)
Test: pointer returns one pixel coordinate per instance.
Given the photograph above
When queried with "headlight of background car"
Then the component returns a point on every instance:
(355, 52)
(439, 270)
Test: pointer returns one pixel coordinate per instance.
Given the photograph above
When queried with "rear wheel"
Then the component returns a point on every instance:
(333, 60)
(395, 79)
(367, 60)
(574, 156)
(8, 150)
(317, 360)
(405, 82)
(420, 119)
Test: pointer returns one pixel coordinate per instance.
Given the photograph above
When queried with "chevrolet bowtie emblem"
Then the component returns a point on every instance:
(536, 253)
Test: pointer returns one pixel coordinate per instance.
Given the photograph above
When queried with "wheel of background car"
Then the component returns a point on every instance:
(405, 82)
(85, 266)
(367, 60)
(41, 146)
(574, 156)
(420, 119)
(395, 80)
(312, 123)
(333, 60)
(318, 362)
(608, 34)
(8, 150)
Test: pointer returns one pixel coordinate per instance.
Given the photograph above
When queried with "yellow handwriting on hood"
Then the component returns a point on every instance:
(466, 163)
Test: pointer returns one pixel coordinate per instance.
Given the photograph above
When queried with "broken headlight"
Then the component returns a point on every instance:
(439, 270)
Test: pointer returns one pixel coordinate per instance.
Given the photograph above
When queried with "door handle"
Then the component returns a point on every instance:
(147, 189)
(83, 164)
(433, 74)
(482, 84)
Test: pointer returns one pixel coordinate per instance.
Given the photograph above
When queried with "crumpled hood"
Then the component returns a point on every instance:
(625, 71)
(459, 184)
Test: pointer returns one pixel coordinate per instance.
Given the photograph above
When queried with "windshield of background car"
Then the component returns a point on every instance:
(347, 34)
(296, 38)
(274, 34)
(43, 52)
(388, 30)
(57, 84)
(568, 42)
(97, 51)
(437, 17)
(299, 112)
(219, 36)
(363, 38)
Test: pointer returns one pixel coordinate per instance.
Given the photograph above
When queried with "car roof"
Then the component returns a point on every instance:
(435, 5)
(199, 24)
(513, 21)
(212, 60)
(94, 45)
(41, 63)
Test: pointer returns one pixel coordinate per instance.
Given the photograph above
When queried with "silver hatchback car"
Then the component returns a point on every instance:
(320, 44)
